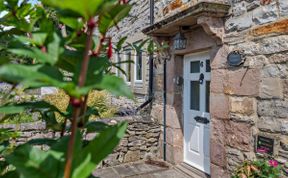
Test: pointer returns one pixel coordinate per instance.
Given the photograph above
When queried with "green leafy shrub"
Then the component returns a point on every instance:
(20, 118)
(259, 169)
(17, 95)
(96, 99)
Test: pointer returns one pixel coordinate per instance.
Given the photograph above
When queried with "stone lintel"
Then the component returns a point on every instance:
(170, 25)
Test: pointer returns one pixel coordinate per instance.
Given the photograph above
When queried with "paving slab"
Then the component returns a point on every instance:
(171, 173)
(139, 170)
(106, 173)
(125, 170)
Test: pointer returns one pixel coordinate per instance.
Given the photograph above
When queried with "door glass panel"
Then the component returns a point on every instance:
(207, 96)
(195, 67)
(195, 95)
(208, 66)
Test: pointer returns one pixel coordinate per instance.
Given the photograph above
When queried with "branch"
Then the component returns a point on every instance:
(76, 107)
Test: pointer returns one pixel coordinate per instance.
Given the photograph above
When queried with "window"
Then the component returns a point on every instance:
(118, 61)
(128, 67)
(138, 67)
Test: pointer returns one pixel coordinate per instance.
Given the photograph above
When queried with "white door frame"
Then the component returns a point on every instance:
(199, 159)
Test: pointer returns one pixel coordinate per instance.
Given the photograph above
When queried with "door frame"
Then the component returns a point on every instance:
(185, 102)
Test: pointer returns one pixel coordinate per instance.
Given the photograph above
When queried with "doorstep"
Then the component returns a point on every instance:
(141, 170)
(191, 171)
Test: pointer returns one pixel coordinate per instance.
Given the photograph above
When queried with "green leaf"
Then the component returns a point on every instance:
(51, 121)
(100, 147)
(21, 107)
(11, 109)
(120, 43)
(111, 15)
(36, 39)
(69, 60)
(39, 38)
(54, 49)
(138, 46)
(42, 141)
(32, 52)
(36, 76)
(95, 126)
(96, 67)
(85, 8)
(150, 47)
(115, 85)
(72, 22)
(11, 174)
(34, 163)
(6, 134)
(62, 143)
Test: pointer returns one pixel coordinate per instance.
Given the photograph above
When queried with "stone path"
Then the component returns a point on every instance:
(140, 170)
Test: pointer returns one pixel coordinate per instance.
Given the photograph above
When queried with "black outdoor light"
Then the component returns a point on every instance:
(179, 40)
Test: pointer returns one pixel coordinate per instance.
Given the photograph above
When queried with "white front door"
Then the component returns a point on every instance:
(196, 111)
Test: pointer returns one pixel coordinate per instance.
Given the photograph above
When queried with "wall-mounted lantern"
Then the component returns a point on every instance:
(180, 41)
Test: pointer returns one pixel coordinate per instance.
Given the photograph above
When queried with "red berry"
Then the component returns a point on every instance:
(75, 102)
(91, 23)
(44, 49)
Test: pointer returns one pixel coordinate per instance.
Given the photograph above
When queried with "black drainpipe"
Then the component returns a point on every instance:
(151, 65)
(150, 89)
(164, 107)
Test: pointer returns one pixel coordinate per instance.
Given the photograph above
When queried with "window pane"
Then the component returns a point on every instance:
(207, 96)
(119, 64)
(139, 66)
(128, 72)
(208, 66)
(195, 95)
(195, 67)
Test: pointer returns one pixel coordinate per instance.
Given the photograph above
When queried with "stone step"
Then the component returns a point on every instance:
(191, 171)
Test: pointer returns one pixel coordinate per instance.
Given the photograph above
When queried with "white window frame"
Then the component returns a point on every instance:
(118, 57)
(127, 67)
(135, 68)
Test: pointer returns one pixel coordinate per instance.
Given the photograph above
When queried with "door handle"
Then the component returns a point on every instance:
(202, 120)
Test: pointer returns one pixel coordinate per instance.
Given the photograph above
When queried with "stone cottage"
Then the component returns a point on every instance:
(225, 90)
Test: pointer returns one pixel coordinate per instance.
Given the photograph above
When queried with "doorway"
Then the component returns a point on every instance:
(196, 102)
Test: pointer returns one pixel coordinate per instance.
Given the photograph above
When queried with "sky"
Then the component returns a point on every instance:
(33, 1)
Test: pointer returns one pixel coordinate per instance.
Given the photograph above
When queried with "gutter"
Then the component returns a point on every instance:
(164, 107)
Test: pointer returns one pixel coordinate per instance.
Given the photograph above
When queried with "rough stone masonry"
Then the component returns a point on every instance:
(255, 94)
(139, 143)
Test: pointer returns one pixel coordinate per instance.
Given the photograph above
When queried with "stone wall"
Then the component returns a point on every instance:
(254, 96)
(139, 143)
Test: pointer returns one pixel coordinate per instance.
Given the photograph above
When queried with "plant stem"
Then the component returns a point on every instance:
(71, 143)
(85, 62)
(77, 110)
